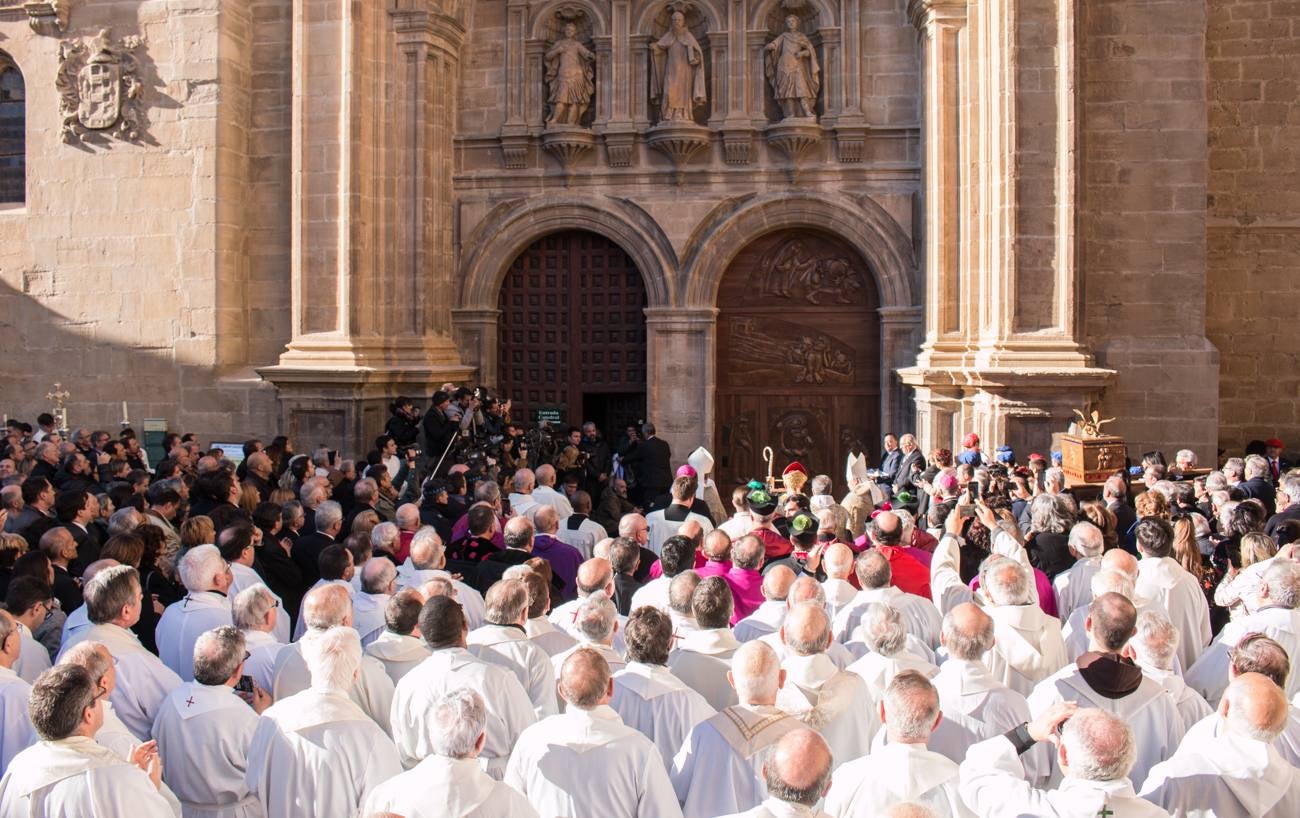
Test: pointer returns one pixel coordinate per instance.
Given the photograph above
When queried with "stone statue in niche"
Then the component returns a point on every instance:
(790, 63)
(677, 78)
(570, 78)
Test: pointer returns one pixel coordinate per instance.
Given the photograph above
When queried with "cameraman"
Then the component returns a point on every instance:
(439, 430)
(404, 422)
(466, 408)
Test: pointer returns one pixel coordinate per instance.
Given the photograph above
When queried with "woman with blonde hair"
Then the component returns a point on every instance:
(1239, 590)
(198, 531)
(249, 497)
(1104, 519)
(1152, 504)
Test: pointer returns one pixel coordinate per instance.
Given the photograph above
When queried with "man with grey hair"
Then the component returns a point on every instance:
(99, 663)
(1073, 587)
(378, 584)
(835, 702)
(874, 575)
(207, 578)
(586, 761)
(797, 774)
(449, 782)
(1277, 617)
(316, 752)
(204, 729)
(399, 646)
(718, 770)
(15, 724)
(885, 634)
(903, 769)
(702, 657)
(596, 624)
(113, 603)
(428, 560)
(1258, 485)
(386, 538)
(328, 519)
(503, 641)
(256, 612)
(1093, 749)
(1235, 772)
(1154, 647)
(325, 607)
(768, 616)
(1284, 526)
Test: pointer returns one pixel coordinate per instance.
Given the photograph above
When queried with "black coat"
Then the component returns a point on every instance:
(66, 590)
(1049, 553)
(624, 588)
(1262, 490)
(283, 577)
(903, 479)
(438, 432)
(652, 460)
(306, 553)
(494, 567)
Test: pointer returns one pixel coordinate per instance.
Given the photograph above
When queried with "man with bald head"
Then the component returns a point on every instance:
(908, 574)
(1114, 576)
(59, 545)
(596, 574)
(817, 692)
(503, 641)
(837, 562)
(718, 770)
(767, 617)
(522, 502)
(1105, 677)
(428, 560)
(716, 551)
(586, 761)
(1237, 772)
(797, 773)
(564, 558)
(875, 574)
(546, 494)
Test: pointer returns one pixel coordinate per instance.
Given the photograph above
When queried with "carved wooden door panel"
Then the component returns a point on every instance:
(572, 323)
(798, 357)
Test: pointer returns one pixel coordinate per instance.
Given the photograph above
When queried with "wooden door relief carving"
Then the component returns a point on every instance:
(798, 356)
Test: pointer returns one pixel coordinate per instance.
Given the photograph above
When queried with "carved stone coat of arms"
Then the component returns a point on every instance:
(99, 88)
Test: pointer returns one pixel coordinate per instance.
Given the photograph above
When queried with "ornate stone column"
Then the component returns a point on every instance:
(680, 374)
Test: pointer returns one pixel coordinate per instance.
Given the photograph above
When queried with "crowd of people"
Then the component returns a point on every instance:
(431, 631)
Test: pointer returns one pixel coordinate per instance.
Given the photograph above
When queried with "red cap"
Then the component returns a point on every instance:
(1273, 443)
(971, 440)
(796, 466)
(1036, 456)
(686, 470)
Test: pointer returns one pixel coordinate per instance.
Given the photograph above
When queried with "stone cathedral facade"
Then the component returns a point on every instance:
(795, 223)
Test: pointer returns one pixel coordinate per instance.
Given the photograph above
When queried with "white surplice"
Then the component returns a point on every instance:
(588, 762)
(765, 619)
(718, 770)
(1075, 633)
(612, 657)
(946, 587)
(1191, 705)
(372, 691)
(263, 649)
(702, 660)
(1163, 580)
(738, 525)
(16, 733)
(143, 681)
(183, 623)
(1149, 711)
(839, 594)
(895, 773)
(1209, 676)
(509, 710)
(919, 614)
(654, 593)
(834, 702)
(1027, 646)
(1225, 776)
(1074, 587)
(301, 627)
(548, 496)
(975, 707)
(368, 615)
(994, 785)
(776, 808)
(317, 753)
(408, 576)
(33, 658)
(546, 636)
(877, 670)
(1287, 743)
(441, 787)
(77, 778)
(245, 577)
(661, 528)
(203, 734)
(583, 538)
(650, 699)
(399, 653)
(510, 647)
(839, 654)
(565, 617)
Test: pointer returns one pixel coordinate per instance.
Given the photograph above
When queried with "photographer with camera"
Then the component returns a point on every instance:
(403, 423)
(439, 431)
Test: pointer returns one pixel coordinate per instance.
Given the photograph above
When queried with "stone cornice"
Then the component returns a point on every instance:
(924, 13)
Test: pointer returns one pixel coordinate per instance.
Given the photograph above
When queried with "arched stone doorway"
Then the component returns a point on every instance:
(797, 355)
(571, 336)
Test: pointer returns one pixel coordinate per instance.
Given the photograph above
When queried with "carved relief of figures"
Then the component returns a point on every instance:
(99, 88)
(570, 77)
(817, 360)
(795, 434)
(677, 75)
(791, 66)
(793, 270)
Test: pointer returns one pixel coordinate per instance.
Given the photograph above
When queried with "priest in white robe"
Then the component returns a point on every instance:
(834, 702)
(207, 578)
(330, 606)
(586, 761)
(946, 586)
(502, 641)
(443, 626)
(538, 628)
(1110, 579)
(16, 733)
(1154, 647)
(677, 556)
(1095, 750)
(702, 658)
(400, 647)
(838, 562)
(597, 626)
(902, 770)
(28, 602)
(797, 774)
(647, 696)
(770, 613)
(1236, 773)
(317, 752)
(666, 522)
(1073, 587)
(258, 614)
(1277, 616)
(874, 574)
(113, 603)
(449, 783)
(1162, 579)
(594, 575)
(807, 589)
(885, 635)
(238, 544)
(1106, 679)
(204, 732)
(718, 770)
(67, 773)
(378, 584)
(427, 559)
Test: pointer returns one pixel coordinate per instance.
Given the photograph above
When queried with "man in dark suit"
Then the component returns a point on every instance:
(913, 463)
(890, 462)
(38, 500)
(518, 536)
(77, 510)
(624, 557)
(1257, 485)
(651, 460)
(438, 431)
(306, 551)
(1284, 527)
(47, 461)
(1277, 464)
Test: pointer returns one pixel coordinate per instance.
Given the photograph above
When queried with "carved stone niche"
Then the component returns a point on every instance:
(793, 64)
(569, 69)
(679, 85)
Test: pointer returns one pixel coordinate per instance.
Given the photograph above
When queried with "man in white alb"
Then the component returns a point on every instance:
(400, 647)
(239, 548)
(427, 560)
(874, 575)
(207, 578)
(769, 615)
(677, 555)
(257, 612)
(502, 641)
(596, 626)
(797, 774)
(838, 562)
(885, 635)
(1162, 579)
(540, 630)
(544, 492)
(1154, 647)
(702, 658)
(378, 584)
(1073, 587)
(16, 732)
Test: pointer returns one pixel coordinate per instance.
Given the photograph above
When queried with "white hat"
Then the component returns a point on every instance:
(702, 462)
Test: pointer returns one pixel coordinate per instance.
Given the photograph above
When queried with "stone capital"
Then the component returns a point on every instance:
(927, 13)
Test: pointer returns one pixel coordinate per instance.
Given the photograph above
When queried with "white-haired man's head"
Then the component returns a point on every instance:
(805, 589)
(327, 606)
(459, 723)
(1009, 584)
(255, 609)
(1086, 540)
(385, 536)
(1279, 586)
(883, 629)
(379, 576)
(427, 550)
(333, 657)
(597, 619)
(203, 569)
(756, 674)
(1096, 746)
(1111, 581)
(910, 708)
(967, 632)
(1156, 641)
